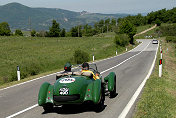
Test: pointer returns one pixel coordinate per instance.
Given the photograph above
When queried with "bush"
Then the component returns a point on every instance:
(18, 32)
(168, 30)
(121, 40)
(33, 33)
(81, 56)
(171, 39)
(5, 29)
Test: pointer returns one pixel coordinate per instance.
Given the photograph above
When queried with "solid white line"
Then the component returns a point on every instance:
(124, 60)
(20, 112)
(60, 72)
(29, 108)
(117, 55)
(28, 81)
(138, 91)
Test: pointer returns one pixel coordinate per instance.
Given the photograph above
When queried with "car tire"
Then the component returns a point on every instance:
(113, 93)
(100, 106)
(48, 107)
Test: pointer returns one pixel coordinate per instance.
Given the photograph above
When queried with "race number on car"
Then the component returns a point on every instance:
(64, 91)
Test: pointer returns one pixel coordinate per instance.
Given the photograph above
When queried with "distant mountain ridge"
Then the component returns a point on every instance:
(23, 17)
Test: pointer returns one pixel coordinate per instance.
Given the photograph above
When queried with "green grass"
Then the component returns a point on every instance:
(142, 28)
(149, 33)
(42, 55)
(158, 99)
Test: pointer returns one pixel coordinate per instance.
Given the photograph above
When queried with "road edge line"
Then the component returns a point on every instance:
(138, 91)
(31, 107)
(20, 112)
(60, 72)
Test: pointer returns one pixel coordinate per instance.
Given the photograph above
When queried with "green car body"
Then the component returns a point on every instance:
(76, 89)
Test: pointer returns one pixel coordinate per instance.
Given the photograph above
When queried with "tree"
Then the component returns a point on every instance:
(127, 27)
(158, 22)
(33, 33)
(88, 31)
(54, 31)
(76, 31)
(63, 32)
(18, 32)
(4, 29)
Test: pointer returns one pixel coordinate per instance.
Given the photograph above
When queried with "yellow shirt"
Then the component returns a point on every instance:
(95, 77)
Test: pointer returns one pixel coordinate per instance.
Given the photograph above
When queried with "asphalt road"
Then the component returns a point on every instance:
(131, 68)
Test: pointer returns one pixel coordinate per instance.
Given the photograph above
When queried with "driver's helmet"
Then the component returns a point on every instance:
(85, 66)
(67, 67)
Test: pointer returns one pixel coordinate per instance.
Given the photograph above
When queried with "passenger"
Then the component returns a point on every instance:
(85, 68)
(67, 67)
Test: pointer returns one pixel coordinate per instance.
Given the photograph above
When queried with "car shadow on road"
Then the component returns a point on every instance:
(114, 96)
(73, 109)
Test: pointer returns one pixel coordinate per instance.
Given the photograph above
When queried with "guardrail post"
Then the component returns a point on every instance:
(116, 52)
(18, 73)
(93, 57)
(160, 67)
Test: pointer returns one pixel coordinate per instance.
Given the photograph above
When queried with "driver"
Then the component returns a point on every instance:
(85, 68)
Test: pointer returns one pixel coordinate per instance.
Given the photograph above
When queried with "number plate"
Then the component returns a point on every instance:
(64, 91)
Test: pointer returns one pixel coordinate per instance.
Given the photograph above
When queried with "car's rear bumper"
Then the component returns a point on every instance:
(66, 98)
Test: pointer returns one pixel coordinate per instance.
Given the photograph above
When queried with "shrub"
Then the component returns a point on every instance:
(81, 56)
(168, 30)
(18, 32)
(5, 29)
(121, 40)
(33, 33)
(171, 39)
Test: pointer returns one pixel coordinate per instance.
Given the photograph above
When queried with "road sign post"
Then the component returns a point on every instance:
(18, 73)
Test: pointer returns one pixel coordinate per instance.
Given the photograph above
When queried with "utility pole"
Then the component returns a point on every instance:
(78, 30)
(30, 27)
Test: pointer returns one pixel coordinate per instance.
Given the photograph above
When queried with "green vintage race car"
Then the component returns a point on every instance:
(77, 87)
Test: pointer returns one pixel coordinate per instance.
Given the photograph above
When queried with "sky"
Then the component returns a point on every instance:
(100, 6)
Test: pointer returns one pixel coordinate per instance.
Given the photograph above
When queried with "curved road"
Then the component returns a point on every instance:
(131, 69)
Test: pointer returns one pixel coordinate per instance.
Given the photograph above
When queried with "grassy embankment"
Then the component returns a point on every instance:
(41, 56)
(158, 99)
(142, 28)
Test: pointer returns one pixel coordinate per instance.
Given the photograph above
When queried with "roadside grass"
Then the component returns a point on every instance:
(158, 99)
(142, 28)
(41, 56)
(149, 33)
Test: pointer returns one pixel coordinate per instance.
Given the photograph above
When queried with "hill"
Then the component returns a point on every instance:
(20, 17)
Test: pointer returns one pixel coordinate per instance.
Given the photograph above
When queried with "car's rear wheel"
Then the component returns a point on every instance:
(100, 106)
(48, 107)
(113, 93)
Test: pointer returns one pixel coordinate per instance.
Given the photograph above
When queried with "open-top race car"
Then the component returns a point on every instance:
(77, 87)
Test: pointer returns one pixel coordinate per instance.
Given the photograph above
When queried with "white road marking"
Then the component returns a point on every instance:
(124, 60)
(20, 112)
(29, 108)
(61, 71)
(138, 91)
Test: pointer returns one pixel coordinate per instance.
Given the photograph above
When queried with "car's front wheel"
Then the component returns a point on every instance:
(113, 93)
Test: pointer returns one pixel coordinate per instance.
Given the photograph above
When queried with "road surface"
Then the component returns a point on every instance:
(131, 69)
